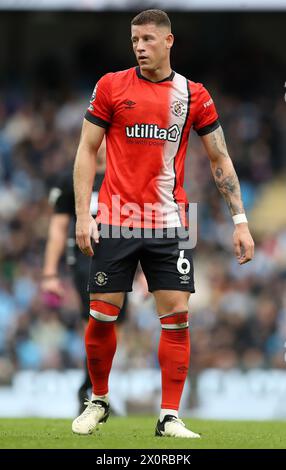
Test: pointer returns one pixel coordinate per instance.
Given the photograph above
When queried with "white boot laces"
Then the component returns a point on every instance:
(90, 408)
(178, 421)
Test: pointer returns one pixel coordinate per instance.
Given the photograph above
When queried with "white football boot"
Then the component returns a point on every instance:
(174, 427)
(96, 412)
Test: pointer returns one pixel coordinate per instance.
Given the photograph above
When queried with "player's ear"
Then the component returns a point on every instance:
(169, 40)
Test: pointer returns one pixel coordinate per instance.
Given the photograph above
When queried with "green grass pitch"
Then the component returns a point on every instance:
(137, 432)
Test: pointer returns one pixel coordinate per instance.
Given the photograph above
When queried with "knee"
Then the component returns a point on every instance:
(112, 298)
(174, 308)
(168, 302)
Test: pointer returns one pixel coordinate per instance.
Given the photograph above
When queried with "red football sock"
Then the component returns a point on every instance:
(174, 358)
(100, 343)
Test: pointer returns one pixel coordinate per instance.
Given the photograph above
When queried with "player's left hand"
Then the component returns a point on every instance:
(243, 243)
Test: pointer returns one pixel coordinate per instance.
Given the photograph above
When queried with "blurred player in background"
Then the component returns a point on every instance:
(61, 238)
(147, 113)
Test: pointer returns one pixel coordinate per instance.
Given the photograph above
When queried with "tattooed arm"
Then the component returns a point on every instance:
(227, 182)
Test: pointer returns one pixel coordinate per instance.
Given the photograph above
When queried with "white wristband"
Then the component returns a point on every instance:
(239, 219)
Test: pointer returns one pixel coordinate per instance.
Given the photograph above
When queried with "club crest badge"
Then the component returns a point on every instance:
(178, 108)
(100, 278)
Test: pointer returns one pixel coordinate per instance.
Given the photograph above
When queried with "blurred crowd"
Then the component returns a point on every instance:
(238, 313)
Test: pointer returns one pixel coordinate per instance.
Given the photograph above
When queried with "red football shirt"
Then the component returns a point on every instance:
(147, 130)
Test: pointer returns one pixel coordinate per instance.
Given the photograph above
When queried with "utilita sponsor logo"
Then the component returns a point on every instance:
(152, 131)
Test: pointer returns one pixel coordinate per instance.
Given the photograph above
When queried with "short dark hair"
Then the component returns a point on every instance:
(158, 17)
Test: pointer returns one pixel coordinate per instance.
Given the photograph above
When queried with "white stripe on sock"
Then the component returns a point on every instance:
(175, 326)
(102, 316)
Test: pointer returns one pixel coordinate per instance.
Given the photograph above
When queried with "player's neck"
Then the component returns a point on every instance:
(157, 75)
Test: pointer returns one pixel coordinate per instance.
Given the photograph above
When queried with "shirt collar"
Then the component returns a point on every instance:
(167, 79)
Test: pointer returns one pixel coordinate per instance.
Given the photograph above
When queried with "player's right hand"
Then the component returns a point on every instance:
(52, 285)
(86, 228)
